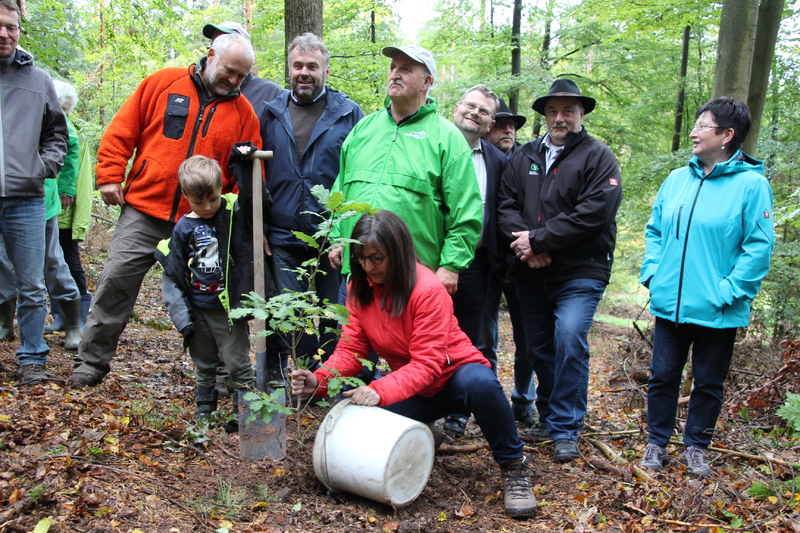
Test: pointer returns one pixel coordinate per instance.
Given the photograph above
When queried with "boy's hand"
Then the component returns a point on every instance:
(241, 151)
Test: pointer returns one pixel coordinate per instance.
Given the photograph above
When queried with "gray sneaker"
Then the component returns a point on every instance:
(31, 374)
(655, 457)
(696, 462)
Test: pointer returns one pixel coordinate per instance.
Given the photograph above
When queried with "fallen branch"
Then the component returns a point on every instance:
(224, 449)
(678, 522)
(198, 519)
(612, 456)
(464, 448)
(759, 458)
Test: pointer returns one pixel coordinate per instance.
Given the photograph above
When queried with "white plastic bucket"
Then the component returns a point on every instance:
(374, 453)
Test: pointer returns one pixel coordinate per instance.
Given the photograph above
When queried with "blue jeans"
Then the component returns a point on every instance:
(285, 259)
(557, 317)
(473, 388)
(22, 231)
(523, 371)
(712, 350)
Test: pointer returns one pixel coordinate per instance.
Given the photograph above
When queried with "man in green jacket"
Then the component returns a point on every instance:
(409, 160)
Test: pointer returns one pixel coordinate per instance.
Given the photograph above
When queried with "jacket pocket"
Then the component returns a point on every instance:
(176, 116)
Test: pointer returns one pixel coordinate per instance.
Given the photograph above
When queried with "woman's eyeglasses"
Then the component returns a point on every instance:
(375, 259)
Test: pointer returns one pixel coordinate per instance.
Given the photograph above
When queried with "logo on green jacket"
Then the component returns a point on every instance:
(416, 134)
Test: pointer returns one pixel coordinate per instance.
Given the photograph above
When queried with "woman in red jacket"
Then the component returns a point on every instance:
(401, 310)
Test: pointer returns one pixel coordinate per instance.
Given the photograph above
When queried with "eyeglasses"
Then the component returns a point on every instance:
(703, 127)
(375, 259)
(485, 113)
(11, 29)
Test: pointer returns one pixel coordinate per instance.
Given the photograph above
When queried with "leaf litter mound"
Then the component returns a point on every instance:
(127, 457)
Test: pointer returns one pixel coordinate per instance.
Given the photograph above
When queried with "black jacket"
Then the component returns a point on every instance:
(569, 211)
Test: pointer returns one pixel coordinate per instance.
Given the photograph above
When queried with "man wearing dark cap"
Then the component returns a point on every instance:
(503, 134)
(408, 159)
(558, 201)
(257, 90)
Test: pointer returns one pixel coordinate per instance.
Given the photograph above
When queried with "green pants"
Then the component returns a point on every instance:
(214, 339)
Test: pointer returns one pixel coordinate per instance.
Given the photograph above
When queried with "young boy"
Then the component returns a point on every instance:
(208, 266)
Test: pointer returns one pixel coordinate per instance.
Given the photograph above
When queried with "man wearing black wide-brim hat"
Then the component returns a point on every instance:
(558, 201)
(503, 134)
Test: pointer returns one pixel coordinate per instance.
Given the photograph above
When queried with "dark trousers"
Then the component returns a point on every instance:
(712, 350)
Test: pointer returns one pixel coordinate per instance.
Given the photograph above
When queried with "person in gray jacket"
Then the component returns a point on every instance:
(30, 116)
(305, 128)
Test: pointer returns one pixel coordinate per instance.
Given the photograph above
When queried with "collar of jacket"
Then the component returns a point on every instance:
(427, 108)
(535, 148)
(739, 162)
(197, 77)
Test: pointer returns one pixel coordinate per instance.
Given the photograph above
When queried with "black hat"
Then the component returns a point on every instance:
(564, 87)
(504, 111)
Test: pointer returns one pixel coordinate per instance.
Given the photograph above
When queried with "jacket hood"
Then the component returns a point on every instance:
(739, 162)
(280, 104)
(23, 57)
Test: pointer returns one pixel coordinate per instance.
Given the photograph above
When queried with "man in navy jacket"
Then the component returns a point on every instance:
(305, 128)
(474, 116)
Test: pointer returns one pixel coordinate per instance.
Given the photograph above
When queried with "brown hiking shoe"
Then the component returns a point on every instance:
(83, 379)
(517, 489)
(31, 374)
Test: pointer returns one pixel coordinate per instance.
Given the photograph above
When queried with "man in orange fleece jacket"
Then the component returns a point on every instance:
(175, 113)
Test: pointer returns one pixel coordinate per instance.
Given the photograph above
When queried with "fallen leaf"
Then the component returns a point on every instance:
(390, 526)
(43, 526)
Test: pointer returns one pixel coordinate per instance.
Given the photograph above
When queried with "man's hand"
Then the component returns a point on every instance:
(449, 279)
(522, 245)
(335, 258)
(267, 250)
(66, 201)
(539, 260)
(522, 249)
(112, 194)
(304, 382)
(363, 395)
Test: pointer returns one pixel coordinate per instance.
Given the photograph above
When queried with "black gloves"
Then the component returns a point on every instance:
(240, 151)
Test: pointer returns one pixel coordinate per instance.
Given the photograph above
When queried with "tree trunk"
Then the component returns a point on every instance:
(301, 16)
(536, 129)
(737, 32)
(516, 55)
(769, 22)
(676, 135)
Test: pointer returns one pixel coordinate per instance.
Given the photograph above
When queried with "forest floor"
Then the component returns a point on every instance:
(126, 457)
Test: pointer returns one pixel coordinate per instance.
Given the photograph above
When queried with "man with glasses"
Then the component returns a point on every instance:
(408, 159)
(474, 116)
(558, 202)
(34, 145)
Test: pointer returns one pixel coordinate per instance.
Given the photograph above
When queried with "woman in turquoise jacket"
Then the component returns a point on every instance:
(708, 246)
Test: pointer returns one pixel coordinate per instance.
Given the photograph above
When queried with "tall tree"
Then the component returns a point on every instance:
(301, 16)
(737, 35)
(770, 13)
(516, 54)
(676, 135)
